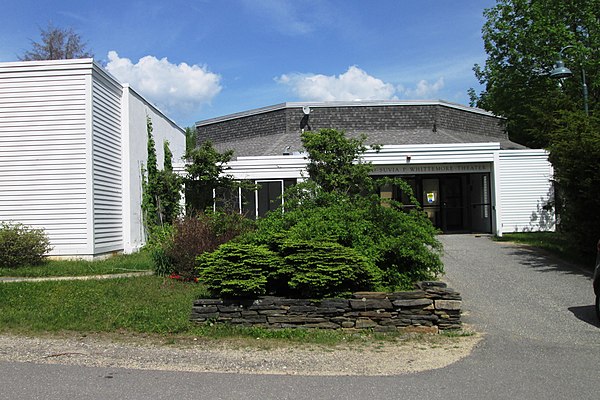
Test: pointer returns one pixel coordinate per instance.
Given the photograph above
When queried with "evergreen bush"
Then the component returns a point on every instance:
(238, 270)
(21, 245)
(401, 245)
(335, 236)
(323, 269)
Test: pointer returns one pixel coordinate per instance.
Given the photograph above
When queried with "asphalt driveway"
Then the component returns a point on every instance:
(542, 339)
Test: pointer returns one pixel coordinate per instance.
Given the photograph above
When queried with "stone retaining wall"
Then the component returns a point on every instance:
(431, 307)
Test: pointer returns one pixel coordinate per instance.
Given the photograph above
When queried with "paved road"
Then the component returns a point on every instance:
(541, 342)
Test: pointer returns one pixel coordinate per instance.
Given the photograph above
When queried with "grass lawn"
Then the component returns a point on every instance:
(553, 242)
(144, 305)
(147, 305)
(139, 261)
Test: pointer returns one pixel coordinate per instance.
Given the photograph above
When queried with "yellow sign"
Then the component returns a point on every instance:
(431, 197)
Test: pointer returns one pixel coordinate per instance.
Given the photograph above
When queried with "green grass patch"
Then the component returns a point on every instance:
(140, 305)
(140, 261)
(553, 242)
(147, 305)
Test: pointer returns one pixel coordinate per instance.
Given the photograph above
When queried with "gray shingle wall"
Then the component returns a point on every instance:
(468, 122)
(263, 124)
(354, 119)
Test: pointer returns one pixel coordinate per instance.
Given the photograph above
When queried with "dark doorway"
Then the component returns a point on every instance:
(454, 202)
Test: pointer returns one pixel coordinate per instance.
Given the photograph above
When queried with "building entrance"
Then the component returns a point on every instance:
(454, 202)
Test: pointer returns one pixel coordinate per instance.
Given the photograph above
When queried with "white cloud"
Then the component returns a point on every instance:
(423, 90)
(354, 84)
(179, 90)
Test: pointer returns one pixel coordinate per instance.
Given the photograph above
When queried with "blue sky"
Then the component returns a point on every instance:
(198, 59)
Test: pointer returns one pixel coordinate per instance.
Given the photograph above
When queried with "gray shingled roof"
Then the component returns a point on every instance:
(271, 145)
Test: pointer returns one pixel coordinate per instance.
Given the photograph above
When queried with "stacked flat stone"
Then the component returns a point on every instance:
(432, 306)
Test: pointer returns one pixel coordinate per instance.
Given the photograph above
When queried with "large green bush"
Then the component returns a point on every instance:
(335, 234)
(575, 156)
(306, 269)
(316, 269)
(401, 245)
(238, 270)
(21, 245)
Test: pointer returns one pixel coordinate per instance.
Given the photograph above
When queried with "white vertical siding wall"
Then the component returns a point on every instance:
(525, 188)
(135, 139)
(72, 142)
(107, 163)
(43, 144)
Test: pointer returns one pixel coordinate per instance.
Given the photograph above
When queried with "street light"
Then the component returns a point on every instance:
(560, 71)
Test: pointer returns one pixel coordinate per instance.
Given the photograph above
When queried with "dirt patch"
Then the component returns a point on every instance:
(402, 356)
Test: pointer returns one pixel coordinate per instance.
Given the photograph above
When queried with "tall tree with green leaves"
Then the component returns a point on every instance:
(205, 167)
(522, 39)
(57, 44)
(149, 183)
(169, 187)
(335, 162)
(575, 155)
(161, 188)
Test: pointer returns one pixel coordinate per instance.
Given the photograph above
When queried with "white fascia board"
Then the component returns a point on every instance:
(133, 92)
(128, 246)
(89, 151)
(427, 148)
(46, 64)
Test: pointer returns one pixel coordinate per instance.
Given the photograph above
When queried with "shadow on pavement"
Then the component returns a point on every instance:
(586, 314)
(544, 261)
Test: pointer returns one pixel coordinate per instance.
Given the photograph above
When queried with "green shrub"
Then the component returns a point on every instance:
(335, 236)
(21, 245)
(160, 239)
(238, 270)
(401, 245)
(297, 269)
(174, 249)
(324, 269)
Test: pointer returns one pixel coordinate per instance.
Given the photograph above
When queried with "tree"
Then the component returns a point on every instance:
(205, 167)
(339, 205)
(57, 44)
(575, 155)
(522, 39)
(161, 188)
(191, 138)
(335, 162)
(168, 191)
(149, 184)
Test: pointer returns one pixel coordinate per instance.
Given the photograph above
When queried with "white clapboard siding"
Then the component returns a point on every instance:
(107, 164)
(43, 142)
(293, 166)
(525, 188)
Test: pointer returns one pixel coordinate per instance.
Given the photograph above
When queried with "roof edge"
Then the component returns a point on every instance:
(357, 103)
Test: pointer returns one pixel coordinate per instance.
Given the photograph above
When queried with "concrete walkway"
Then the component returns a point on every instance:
(9, 279)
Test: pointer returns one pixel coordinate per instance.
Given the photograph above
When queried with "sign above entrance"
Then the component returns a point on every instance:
(460, 168)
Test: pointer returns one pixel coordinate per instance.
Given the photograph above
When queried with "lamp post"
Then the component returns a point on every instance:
(560, 71)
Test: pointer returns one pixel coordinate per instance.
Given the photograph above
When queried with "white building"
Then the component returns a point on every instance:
(466, 173)
(72, 145)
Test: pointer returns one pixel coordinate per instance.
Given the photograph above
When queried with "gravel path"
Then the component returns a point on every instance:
(9, 279)
(256, 357)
